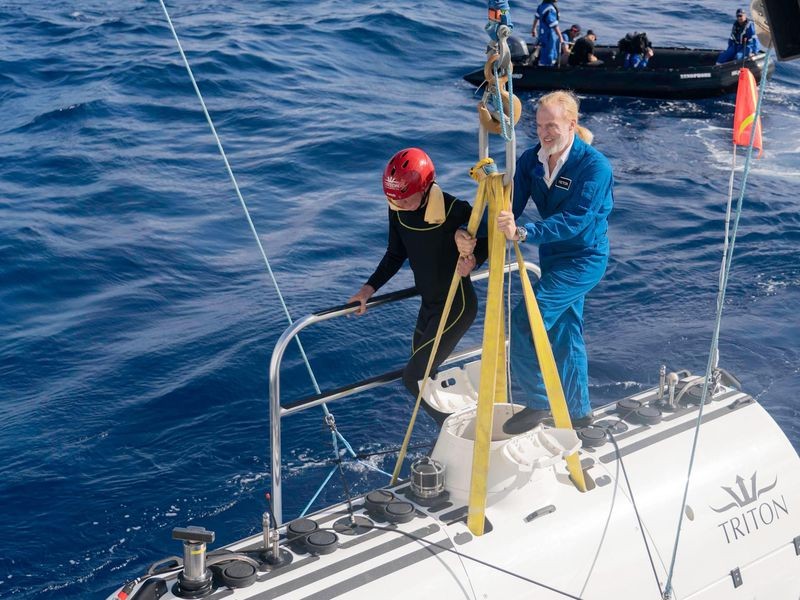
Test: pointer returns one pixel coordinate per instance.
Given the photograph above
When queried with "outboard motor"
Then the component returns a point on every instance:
(518, 49)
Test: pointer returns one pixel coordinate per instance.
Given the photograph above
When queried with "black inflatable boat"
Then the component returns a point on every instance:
(672, 73)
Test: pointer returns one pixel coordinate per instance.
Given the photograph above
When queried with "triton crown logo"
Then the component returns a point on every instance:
(745, 496)
(752, 509)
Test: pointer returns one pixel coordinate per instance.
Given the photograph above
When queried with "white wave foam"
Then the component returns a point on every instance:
(775, 161)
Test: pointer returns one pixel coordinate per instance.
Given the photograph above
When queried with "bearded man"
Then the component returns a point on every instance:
(571, 185)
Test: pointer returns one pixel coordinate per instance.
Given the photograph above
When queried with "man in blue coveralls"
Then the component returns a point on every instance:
(571, 184)
(548, 33)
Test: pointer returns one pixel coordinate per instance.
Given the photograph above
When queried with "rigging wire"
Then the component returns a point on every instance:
(725, 242)
(606, 527)
(334, 432)
(621, 465)
(348, 496)
(611, 437)
(713, 352)
(484, 563)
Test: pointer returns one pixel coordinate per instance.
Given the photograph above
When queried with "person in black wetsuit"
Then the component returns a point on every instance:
(422, 225)
(583, 52)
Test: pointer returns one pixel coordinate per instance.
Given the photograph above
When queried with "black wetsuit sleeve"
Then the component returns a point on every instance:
(393, 259)
(481, 252)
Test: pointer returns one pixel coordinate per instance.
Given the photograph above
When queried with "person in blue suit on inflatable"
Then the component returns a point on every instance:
(571, 184)
(548, 33)
(742, 41)
(637, 50)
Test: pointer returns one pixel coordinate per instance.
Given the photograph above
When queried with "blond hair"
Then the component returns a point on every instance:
(569, 103)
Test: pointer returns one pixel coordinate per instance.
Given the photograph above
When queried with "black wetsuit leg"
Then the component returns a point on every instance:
(462, 314)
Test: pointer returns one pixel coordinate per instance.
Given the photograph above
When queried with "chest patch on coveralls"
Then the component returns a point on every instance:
(563, 183)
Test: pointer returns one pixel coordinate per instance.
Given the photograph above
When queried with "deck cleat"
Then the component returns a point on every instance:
(195, 581)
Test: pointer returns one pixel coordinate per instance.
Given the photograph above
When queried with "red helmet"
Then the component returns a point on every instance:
(408, 172)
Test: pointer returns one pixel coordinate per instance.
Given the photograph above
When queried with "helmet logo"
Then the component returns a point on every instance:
(390, 183)
(409, 171)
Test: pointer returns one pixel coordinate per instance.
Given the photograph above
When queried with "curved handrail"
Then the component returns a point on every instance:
(277, 412)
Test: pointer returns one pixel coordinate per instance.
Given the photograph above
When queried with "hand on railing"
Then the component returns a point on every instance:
(364, 294)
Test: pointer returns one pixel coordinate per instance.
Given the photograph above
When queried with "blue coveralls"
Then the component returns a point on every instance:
(548, 38)
(636, 61)
(573, 254)
(741, 43)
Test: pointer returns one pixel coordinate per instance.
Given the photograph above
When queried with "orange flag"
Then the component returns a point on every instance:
(745, 113)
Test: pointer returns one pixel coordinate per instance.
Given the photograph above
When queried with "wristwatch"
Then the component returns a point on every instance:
(522, 233)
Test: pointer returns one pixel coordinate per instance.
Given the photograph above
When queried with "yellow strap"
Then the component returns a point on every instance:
(472, 228)
(493, 371)
(480, 171)
(547, 364)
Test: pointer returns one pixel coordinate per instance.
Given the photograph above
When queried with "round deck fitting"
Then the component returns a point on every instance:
(322, 542)
(627, 405)
(399, 512)
(298, 529)
(356, 526)
(695, 393)
(375, 502)
(592, 436)
(238, 574)
(648, 415)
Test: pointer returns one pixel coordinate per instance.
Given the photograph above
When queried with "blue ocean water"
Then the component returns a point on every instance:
(137, 319)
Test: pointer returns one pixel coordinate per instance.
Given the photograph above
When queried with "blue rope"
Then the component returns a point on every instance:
(498, 102)
(252, 225)
(328, 478)
(717, 322)
(335, 432)
(319, 491)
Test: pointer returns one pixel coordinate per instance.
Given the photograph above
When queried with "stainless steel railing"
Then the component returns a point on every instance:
(277, 412)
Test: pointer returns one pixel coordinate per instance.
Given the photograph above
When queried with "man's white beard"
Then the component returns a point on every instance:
(557, 147)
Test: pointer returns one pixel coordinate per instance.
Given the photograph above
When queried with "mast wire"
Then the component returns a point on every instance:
(713, 352)
(334, 432)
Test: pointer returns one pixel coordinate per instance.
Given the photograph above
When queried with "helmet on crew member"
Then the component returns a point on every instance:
(408, 172)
